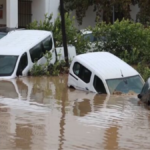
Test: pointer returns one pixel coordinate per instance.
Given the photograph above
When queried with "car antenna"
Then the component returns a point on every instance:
(121, 73)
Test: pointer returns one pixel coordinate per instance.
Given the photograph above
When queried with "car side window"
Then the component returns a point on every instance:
(82, 72)
(22, 64)
(36, 52)
(98, 85)
(47, 44)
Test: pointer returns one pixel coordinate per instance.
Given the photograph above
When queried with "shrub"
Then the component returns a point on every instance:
(48, 68)
(73, 36)
(132, 57)
(144, 70)
(126, 39)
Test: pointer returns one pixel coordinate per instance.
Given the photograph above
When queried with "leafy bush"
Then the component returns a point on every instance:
(144, 70)
(47, 68)
(73, 36)
(38, 70)
(126, 39)
(131, 57)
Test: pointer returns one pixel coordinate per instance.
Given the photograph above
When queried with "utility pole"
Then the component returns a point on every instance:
(64, 31)
(113, 14)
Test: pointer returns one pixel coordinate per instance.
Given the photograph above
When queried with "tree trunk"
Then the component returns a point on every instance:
(64, 32)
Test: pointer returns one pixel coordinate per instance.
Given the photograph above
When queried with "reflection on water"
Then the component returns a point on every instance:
(43, 114)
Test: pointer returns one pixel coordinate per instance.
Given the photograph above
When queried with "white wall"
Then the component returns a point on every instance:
(52, 6)
(42, 7)
(88, 20)
(3, 21)
(38, 10)
(134, 10)
(12, 13)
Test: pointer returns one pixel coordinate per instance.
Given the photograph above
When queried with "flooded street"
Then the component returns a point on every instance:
(41, 113)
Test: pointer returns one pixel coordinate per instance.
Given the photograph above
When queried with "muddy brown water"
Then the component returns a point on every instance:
(43, 114)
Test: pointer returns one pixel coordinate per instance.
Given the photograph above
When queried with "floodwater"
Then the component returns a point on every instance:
(41, 113)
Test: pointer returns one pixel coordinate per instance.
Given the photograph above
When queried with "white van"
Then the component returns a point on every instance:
(19, 50)
(102, 72)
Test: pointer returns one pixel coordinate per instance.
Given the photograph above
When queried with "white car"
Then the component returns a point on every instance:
(103, 73)
(20, 49)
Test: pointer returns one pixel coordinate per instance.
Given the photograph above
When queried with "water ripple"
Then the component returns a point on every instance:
(43, 114)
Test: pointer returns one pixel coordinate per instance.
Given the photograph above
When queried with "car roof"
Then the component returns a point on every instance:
(6, 29)
(19, 41)
(84, 31)
(106, 65)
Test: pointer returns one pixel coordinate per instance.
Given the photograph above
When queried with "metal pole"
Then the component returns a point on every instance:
(64, 31)
(113, 14)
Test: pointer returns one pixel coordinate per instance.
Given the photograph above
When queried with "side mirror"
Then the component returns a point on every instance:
(139, 96)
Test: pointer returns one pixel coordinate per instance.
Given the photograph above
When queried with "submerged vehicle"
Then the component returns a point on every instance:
(144, 95)
(104, 73)
(20, 49)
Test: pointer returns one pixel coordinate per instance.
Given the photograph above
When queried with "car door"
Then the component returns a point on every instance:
(99, 85)
(83, 76)
(23, 67)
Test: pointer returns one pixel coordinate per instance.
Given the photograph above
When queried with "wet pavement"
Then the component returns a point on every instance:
(43, 114)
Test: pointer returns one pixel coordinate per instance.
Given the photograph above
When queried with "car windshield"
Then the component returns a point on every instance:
(2, 35)
(125, 85)
(7, 64)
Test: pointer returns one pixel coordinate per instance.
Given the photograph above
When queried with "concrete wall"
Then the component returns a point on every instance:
(38, 10)
(42, 7)
(88, 20)
(3, 21)
(134, 10)
(52, 6)
(12, 13)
